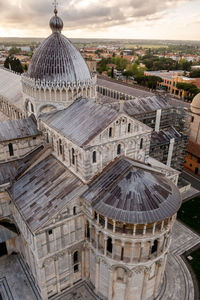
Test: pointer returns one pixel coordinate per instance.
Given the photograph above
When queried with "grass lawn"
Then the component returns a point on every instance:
(189, 213)
(195, 264)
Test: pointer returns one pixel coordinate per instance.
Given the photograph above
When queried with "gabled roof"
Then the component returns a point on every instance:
(9, 170)
(10, 88)
(43, 191)
(132, 192)
(81, 121)
(18, 129)
(122, 88)
(164, 136)
(137, 106)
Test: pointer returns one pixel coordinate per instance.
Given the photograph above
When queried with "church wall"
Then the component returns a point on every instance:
(20, 148)
(194, 135)
(136, 262)
(4, 203)
(11, 110)
(134, 144)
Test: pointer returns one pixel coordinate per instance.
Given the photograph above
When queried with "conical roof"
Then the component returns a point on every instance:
(56, 59)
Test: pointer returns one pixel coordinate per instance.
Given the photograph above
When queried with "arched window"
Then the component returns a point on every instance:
(141, 143)
(47, 137)
(94, 157)
(60, 146)
(87, 230)
(73, 156)
(109, 245)
(76, 261)
(119, 149)
(154, 247)
(129, 127)
(74, 210)
(75, 257)
(120, 274)
(32, 108)
(11, 151)
(110, 132)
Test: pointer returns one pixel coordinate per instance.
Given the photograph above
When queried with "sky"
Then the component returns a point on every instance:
(127, 19)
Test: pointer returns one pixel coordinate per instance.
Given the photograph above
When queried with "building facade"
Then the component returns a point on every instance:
(78, 185)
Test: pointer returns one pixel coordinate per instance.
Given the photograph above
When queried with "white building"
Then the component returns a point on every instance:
(87, 201)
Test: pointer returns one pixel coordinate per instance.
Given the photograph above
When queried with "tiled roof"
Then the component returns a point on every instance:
(9, 170)
(137, 106)
(134, 193)
(164, 136)
(81, 121)
(17, 129)
(121, 88)
(10, 88)
(44, 190)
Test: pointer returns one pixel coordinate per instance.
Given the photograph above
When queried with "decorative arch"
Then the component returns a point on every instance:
(47, 108)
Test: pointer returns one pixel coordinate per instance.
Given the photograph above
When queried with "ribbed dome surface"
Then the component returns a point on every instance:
(132, 192)
(56, 59)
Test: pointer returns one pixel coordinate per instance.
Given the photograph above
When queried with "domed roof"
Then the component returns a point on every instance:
(195, 105)
(132, 192)
(56, 59)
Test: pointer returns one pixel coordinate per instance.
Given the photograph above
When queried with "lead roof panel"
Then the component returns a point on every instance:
(44, 190)
(17, 129)
(133, 193)
(81, 121)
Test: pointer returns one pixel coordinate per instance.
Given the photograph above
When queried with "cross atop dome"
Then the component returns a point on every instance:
(55, 4)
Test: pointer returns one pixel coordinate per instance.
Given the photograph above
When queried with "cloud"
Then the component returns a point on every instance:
(87, 14)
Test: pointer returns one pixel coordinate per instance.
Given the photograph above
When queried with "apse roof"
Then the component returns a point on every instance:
(134, 193)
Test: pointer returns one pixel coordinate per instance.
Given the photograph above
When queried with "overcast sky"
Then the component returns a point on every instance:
(145, 19)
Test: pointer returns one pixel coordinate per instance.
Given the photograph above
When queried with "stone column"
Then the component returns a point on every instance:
(144, 286)
(113, 245)
(114, 226)
(83, 263)
(170, 152)
(154, 228)
(106, 223)
(158, 276)
(105, 245)
(144, 229)
(71, 274)
(57, 275)
(158, 118)
(141, 250)
(42, 284)
(97, 276)
(132, 253)
(110, 291)
(134, 229)
(97, 240)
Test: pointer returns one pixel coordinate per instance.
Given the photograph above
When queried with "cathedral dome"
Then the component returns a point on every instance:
(195, 105)
(56, 59)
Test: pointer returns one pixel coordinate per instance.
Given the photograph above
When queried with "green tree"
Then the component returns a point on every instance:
(14, 64)
(191, 89)
(195, 73)
(14, 50)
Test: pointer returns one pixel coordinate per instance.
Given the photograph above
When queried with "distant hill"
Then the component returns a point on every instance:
(95, 42)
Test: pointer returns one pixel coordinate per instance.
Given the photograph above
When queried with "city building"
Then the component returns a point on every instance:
(81, 199)
(170, 80)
